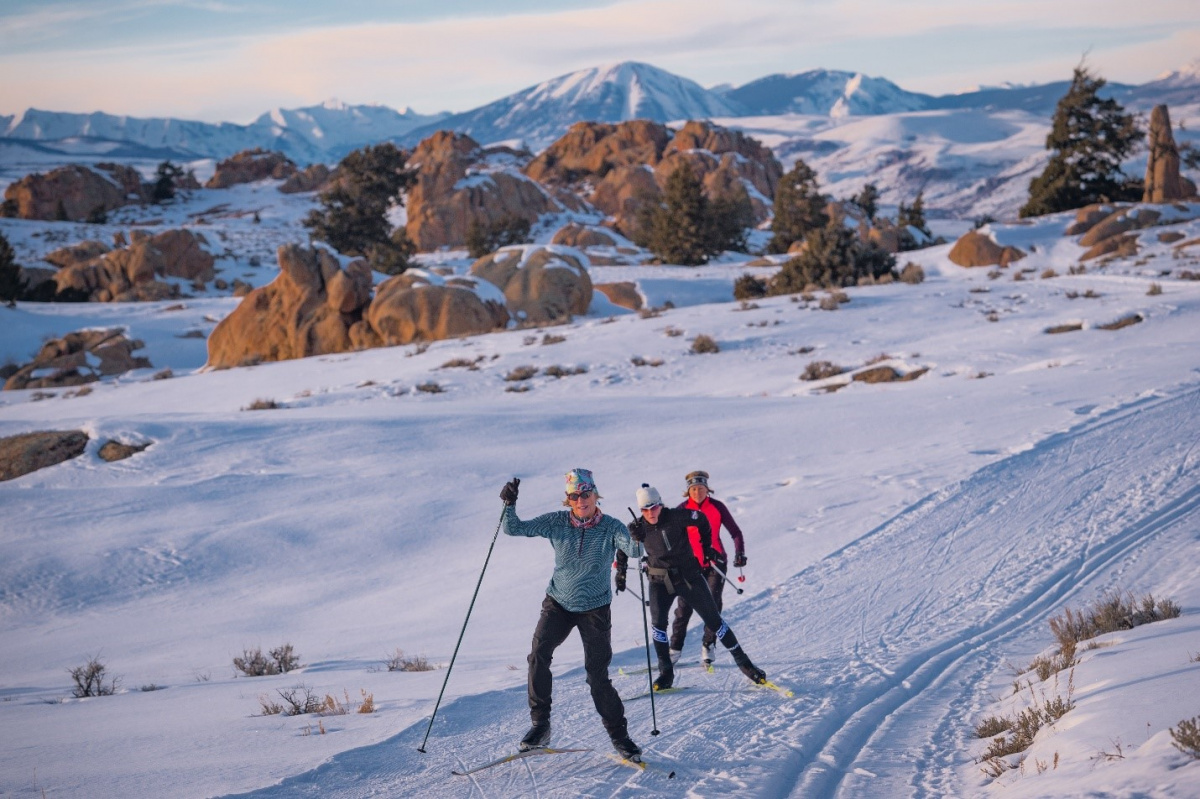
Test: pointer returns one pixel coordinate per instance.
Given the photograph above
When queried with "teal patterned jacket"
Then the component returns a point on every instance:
(582, 558)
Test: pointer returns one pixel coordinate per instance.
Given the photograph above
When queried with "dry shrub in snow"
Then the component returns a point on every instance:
(1114, 612)
(912, 274)
(430, 388)
(1186, 737)
(521, 373)
(703, 343)
(1154, 290)
(819, 370)
(262, 405)
(564, 371)
(638, 360)
(280, 660)
(1124, 321)
(397, 661)
(91, 680)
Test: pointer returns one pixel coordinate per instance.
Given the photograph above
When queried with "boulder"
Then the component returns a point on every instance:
(1089, 216)
(1118, 245)
(113, 450)
(460, 183)
(1162, 167)
(588, 151)
(411, 308)
(313, 178)
(574, 235)
(623, 293)
(737, 153)
(307, 310)
(249, 166)
(28, 452)
(74, 192)
(1118, 223)
(978, 249)
(77, 358)
(541, 284)
(76, 253)
(623, 192)
(183, 256)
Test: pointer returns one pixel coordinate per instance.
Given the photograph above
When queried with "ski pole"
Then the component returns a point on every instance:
(646, 631)
(725, 577)
(741, 575)
(450, 668)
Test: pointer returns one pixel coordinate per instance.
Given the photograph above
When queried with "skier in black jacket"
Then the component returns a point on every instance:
(674, 571)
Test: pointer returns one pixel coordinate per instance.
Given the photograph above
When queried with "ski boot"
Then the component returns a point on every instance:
(666, 677)
(756, 675)
(538, 737)
(707, 655)
(626, 748)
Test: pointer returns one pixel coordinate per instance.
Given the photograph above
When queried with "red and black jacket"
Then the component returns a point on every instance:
(716, 514)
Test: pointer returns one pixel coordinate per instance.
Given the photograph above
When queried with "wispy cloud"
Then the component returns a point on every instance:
(456, 62)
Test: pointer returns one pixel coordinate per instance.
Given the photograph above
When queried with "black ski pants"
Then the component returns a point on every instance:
(595, 630)
(683, 609)
(692, 589)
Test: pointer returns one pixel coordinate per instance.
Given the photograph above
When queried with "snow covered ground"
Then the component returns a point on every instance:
(907, 542)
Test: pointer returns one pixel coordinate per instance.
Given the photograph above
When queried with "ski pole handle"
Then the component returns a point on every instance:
(726, 577)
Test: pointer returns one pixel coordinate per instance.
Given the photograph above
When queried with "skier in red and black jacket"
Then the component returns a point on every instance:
(674, 571)
(699, 498)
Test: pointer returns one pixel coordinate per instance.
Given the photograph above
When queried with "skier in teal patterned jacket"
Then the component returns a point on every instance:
(585, 543)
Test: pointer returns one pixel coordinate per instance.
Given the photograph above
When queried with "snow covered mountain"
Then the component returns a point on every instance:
(825, 92)
(614, 93)
(318, 133)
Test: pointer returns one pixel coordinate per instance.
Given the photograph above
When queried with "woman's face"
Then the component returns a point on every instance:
(584, 504)
(698, 493)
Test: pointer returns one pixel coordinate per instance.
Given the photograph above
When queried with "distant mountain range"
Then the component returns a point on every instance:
(971, 154)
(539, 114)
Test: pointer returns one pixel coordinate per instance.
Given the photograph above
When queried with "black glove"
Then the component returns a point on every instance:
(509, 493)
(739, 560)
(636, 531)
(712, 556)
(620, 580)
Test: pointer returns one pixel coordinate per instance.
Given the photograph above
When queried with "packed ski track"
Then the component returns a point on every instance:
(894, 640)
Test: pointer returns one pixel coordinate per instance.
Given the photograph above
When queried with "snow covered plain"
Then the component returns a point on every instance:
(907, 542)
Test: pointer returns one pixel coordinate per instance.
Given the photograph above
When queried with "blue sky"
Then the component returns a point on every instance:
(230, 60)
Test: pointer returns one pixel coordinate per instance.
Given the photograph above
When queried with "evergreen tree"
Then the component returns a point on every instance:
(675, 228)
(799, 207)
(164, 184)
(868, 200)
(913, 216)
(484, 238)
(353, 215)
(729, 216)
(12, 285)
(1090, 138)
(833, 257)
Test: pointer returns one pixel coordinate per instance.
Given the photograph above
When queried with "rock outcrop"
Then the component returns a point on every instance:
(77, 358)
(623, 293)
(249, 166)
(74, 192)
(307, 310)
(421, 307)
(313, 178)
(580, 236)
(978, 249)
(460, 183)
(131, 273)
(1163, 181)
(541, 284)
(28, 452)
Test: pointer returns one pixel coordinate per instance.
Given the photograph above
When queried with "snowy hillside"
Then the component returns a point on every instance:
(907, 541)
(825, 92)
(540, 114)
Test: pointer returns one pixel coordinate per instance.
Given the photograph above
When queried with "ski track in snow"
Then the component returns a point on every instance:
(970, 574)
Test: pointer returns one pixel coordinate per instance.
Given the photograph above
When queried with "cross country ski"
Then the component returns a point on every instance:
(544, 750)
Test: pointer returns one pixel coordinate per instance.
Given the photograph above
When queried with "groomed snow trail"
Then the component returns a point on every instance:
(889, 643)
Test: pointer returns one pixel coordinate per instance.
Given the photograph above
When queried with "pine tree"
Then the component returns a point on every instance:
(164, 184)
(12, 285)
(913, 216)
(1090, 138)
(868, 200)
(799, 207)
(675, 228)
(833, 257)
(353, 217)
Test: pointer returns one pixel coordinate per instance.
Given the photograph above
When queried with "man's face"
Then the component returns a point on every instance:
(698, 493)
(652, 513)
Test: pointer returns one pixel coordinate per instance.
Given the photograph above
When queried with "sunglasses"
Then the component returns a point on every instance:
(579, 496)
(653, 507)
